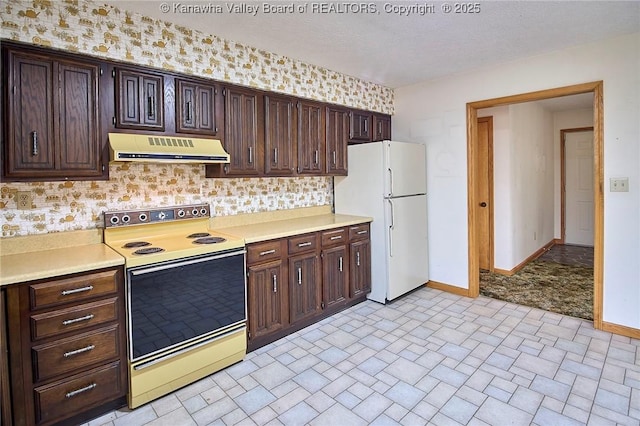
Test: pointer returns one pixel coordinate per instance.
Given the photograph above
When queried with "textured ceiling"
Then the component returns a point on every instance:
(395, 49)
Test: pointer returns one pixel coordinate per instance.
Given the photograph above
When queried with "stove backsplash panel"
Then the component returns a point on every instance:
(77, 205)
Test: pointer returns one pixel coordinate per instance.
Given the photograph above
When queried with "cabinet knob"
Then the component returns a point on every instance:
(483, 204)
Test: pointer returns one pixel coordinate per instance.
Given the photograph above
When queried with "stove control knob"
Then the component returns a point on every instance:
(203, 211)
(126, 218)
(114, 220)
(142, 217)
(194, 212)
(181, 213)
(162, 215)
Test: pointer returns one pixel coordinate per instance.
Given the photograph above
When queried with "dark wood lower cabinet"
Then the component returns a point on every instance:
(67, 347)
(267, 293)
(305, 292)
(335, 276)
(297, 281)
(5, 400)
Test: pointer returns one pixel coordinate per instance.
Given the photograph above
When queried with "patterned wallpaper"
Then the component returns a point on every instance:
(105, 31)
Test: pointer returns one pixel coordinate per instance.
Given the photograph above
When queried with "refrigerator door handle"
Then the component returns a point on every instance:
(391, 226)
(390, 183)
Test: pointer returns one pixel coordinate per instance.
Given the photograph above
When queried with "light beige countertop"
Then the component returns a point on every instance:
(43, 256)
(268, 230)
(36, 257)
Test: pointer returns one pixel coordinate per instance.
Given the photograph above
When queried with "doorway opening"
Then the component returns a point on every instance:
(474, 203)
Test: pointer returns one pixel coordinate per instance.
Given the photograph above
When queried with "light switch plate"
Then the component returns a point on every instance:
(619, 184)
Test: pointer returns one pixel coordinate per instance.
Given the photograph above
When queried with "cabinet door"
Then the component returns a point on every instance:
(311, 138)
(53, 129)
(139, 100)
(244, 132)
(361, 126)
(337, 138)
(78, 133)
(304, 286)
(267, 298)
(360, 268)
(280, 136)
(196, 108)
(30, 141)
(381, 127)
(335, 278)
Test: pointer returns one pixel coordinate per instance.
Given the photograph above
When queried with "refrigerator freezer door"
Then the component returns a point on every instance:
(405, 169)
(406, 221)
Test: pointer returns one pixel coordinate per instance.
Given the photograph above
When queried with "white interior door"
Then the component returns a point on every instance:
(407, 244)
(579, 188)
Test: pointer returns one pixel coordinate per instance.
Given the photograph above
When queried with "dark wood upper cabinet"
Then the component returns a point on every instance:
(139, 100)
(381, 127)
(243, 134)
(337, 139)
(280, 136)
(361, 123)
(52, 129)
(197, 108)
(311, 138)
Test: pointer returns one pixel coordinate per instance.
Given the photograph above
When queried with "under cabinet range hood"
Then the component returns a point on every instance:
(165, 149)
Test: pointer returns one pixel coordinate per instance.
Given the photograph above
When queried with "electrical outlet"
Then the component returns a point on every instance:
(619, 185)
(24, 200)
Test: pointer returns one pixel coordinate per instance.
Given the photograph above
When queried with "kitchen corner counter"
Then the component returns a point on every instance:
(35, 265)
(272, 229)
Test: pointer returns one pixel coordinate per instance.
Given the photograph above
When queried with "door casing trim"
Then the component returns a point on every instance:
(595, 87)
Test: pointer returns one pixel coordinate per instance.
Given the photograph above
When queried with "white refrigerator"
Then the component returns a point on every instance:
(387, 181)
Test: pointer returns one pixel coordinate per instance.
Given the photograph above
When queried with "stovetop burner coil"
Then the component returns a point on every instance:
(209, 240)
(199, 235)
(134, 244)
(148, 250)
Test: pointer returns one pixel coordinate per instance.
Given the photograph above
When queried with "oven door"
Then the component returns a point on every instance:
(177, 303)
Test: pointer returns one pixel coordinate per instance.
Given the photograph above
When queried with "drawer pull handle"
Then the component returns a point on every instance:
(81, 390)
(336, 237)
(307, 244)
(264, 253)
(75, 320)
(77, 290)
(362, 232)
(79, 351)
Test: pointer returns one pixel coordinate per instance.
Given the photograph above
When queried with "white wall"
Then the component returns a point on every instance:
(532, 179)
(523, 181)
(434, 113)
(571, 119)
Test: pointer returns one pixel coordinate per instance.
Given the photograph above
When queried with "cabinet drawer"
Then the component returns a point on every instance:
(65, 398)
(72, 289)
(359, 232)
(75, 353)
(303, 243)
(334, 236)
(73, 319)
(261, 252)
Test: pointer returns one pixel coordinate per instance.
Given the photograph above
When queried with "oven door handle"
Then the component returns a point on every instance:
(147, 270)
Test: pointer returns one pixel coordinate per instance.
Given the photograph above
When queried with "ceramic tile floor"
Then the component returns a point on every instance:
(428, 358)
